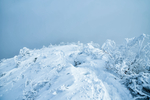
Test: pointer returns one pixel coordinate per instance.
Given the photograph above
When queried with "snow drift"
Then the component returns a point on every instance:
(79, 72)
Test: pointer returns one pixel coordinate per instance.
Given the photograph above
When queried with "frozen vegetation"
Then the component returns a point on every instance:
(79, 72)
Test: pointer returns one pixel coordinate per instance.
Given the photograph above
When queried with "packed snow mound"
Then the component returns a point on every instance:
(74, 72)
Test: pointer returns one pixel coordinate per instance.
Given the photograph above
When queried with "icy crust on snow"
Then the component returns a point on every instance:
(64, 72)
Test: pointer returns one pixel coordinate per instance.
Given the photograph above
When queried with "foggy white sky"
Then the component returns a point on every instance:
(34, 23)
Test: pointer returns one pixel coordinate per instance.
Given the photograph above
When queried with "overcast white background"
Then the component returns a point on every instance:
(34, 23)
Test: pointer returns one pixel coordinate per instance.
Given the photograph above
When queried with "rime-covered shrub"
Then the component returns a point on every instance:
(92, 49)
(24, 52)
(131, 61)
(139, 85)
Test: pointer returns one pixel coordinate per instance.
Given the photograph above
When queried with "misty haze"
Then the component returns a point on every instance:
(34, 23)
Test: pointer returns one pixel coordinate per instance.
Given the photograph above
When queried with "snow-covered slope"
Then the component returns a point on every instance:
(59, 73)
(64, 72)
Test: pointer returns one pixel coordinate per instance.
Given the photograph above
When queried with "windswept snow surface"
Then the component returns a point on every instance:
(64, 72)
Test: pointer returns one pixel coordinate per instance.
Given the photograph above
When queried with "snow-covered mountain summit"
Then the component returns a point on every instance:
(73, 72)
